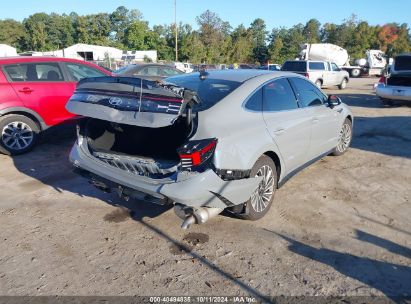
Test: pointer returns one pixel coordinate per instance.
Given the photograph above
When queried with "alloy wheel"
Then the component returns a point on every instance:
(263, 194)
(345, 138)
(17, 135)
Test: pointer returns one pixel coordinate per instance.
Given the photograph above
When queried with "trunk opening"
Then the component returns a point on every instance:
(144, 151)
(399, 80)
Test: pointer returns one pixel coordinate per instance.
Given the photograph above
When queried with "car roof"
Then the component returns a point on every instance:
(239, 75)
(17, 59)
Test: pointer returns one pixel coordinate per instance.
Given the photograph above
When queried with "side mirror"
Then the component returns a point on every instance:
(333, 101)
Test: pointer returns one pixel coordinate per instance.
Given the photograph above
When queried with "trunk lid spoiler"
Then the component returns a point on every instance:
(127, 100)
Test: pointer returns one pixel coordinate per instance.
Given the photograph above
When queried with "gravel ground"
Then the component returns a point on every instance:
(341, 227)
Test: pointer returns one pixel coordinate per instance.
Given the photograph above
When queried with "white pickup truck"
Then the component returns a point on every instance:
(322, 73)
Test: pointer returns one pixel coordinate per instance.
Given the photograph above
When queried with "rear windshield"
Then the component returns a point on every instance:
(316, 65)
(294, 66)
(403, 63)
(210, 91)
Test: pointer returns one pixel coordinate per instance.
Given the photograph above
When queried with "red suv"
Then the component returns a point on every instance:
(33, 95)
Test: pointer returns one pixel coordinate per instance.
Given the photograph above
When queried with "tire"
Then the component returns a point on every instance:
(343, 84)
(345, 139)
(355, 73)
(318, 83)
(255, 208)
(18, 134)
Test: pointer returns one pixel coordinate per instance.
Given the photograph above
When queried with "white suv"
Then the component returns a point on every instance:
(322, 73)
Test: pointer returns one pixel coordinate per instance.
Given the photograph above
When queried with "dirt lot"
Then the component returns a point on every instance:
(340, 227)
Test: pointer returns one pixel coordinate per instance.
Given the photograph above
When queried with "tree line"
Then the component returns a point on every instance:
(214, 41)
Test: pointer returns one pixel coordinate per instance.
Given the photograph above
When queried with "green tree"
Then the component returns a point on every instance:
(135, 36)
(259, 36)
(242, 45)
(311, 31)
(193, 49)
(36, 29)
(12, 33)
(120, 20)
(212, 33)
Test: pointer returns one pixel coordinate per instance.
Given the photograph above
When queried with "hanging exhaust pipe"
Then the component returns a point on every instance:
(191, 215)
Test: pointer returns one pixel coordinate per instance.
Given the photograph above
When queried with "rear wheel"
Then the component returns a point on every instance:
(355, 72)
(345, 139)
(262, 198)
(19, 134)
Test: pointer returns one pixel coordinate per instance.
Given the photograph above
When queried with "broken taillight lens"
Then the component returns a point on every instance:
(197, 153)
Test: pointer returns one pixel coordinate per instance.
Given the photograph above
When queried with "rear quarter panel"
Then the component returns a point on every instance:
(242, 134)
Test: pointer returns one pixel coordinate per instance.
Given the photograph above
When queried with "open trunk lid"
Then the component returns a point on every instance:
(127, 100)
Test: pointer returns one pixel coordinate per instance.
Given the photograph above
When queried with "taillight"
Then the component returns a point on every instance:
(382, 80)
(306, 75)
(197, 153)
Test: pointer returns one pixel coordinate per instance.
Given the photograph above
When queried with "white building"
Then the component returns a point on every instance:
(7, 51)
(99, 53)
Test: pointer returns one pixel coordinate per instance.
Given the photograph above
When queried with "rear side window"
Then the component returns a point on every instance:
(255, 102)
(169, 72)
(80, 71)
(316, 66)
(294, 66)
(278, 96)
(308, 94)
(42, 72)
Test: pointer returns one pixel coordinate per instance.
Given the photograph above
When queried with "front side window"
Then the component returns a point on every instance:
(316, 66)
(42, 72)
(334, 67)
(308, 94)
(170, 72)
(80, 71)
(279, 96)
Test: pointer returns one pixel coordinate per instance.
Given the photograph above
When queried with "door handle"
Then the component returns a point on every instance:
(26, 90)
(315, 120)
(339, 110)
(279, 131)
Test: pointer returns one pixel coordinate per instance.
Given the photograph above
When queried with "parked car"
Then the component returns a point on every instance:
(33, 95)
(150, 71)
(271, 67)
(396, 86)
(242, 66)
(204, 67)
(185, 67)
(323, 73)
(205, 141)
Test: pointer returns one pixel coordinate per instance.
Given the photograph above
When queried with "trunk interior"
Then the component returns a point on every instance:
(141, 150)
(397, 80)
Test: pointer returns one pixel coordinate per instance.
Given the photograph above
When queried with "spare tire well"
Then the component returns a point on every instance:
(276, 161)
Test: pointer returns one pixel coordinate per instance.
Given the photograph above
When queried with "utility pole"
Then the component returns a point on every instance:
(175, 27)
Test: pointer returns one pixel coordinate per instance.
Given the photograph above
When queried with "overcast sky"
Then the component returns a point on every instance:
(275, 13)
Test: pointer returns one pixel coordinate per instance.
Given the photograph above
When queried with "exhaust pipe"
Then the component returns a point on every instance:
(191, 215)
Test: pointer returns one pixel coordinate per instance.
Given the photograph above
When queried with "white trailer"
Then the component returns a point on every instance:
(373, 64)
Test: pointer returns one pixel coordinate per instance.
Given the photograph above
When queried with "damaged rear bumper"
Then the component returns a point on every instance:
(205, 189)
